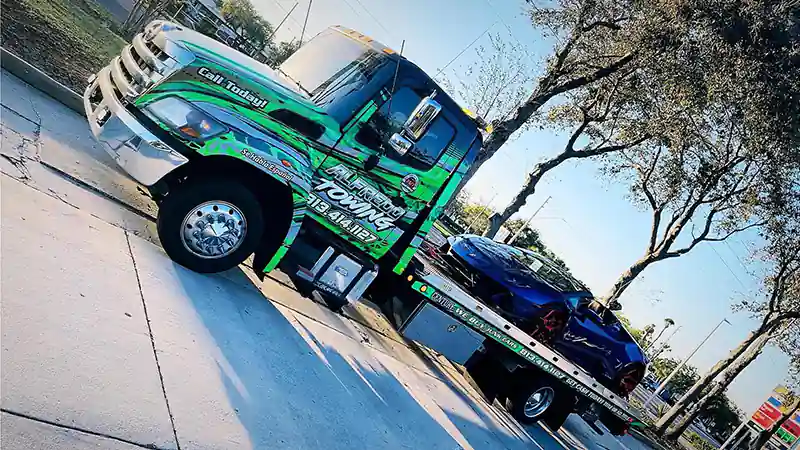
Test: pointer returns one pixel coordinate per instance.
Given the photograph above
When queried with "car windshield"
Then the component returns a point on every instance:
(547, 271)
(530, 263)
(330, 68)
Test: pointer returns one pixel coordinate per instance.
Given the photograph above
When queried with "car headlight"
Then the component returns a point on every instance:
(184, 118)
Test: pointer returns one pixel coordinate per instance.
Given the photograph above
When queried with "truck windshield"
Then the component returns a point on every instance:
(331, 68)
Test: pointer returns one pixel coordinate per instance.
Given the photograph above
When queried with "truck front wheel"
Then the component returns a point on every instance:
(210, 226)
(539, 400)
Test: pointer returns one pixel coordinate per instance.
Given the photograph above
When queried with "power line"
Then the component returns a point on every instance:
(744, 266)
(729, 269)
(465, 49)
(376, 19)
(510, 31)
(351, 7)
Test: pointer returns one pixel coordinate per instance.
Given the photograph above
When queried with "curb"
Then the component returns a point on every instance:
(41, 81)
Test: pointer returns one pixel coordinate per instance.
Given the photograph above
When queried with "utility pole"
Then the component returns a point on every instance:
(478, 216)
(680, 366)
(733, 437)
(269, 39)
(525, 225)
(305, 22)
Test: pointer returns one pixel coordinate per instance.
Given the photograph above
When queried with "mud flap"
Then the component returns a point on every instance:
(262, 257)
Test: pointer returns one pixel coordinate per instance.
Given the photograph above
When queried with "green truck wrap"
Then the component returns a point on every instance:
(325, 125)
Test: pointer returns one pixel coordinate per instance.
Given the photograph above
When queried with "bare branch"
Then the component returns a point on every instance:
(610, 24)
(594, 76)
(703, 237)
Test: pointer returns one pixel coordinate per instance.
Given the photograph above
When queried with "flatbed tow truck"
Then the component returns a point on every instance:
(334, 168)
(535, 382)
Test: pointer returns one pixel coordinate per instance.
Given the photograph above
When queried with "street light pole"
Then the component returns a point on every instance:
(525, 225)
(733, 436)
(680, 366)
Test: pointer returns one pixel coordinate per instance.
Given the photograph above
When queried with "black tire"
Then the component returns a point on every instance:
(554, 416)
(185, 197)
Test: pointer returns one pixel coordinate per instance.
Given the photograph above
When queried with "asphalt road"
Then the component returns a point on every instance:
(108, 344)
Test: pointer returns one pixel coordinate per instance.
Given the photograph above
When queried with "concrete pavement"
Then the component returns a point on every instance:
(106, 340)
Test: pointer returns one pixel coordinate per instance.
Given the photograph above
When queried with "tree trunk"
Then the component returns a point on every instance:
(694, 392)
(730, 374)
(766, 435)
(497, 220)
(626, 279)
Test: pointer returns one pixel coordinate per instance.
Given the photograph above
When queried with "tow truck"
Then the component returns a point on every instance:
(332, 168)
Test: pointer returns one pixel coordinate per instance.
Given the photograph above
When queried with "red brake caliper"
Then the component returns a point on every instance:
(629, 381)
(552, 322)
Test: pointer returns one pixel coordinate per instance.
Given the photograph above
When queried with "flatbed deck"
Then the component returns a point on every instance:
(448, 296)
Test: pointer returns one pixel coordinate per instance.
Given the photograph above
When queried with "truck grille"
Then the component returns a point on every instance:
(140, 65)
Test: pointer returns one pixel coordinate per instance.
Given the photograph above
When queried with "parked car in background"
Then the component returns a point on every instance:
(549, 304)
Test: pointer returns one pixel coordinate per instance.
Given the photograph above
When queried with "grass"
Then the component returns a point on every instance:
(67, 39)
(698, 442)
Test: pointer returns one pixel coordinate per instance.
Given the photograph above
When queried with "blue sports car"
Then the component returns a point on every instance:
(550, 305)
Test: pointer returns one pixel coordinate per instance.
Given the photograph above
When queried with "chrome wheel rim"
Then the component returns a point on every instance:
(539, 401)
(213, 229)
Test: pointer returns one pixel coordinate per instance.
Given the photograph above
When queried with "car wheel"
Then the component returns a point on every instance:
(210, 226)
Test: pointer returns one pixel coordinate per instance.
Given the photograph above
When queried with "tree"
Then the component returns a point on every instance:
(604, 116)
(496, 83)
(667, 323)
(638, 335)
(246, 21)
(647, 331)
(682, 381)
(144, 11)
(596, 39)
(727, 150)
(281, 52)
(777, 312)
(720, 416)
(475, 216)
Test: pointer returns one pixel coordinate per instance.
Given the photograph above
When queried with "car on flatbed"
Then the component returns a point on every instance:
(552, 306)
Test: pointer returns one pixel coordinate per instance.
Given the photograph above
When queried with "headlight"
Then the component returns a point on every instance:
(185, 119)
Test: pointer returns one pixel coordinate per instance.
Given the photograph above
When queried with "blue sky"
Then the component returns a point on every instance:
(588, 221)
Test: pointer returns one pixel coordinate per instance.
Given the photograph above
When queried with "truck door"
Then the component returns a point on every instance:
(369, 192)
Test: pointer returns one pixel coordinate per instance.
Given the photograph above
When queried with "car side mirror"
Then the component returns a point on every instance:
(421, 118)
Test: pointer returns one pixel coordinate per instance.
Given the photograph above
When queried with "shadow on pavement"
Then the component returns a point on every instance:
(295, 383)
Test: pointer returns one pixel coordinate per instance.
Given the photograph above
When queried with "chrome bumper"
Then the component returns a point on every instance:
(135, 149)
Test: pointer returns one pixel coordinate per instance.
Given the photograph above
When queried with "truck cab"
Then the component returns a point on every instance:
(347, 144)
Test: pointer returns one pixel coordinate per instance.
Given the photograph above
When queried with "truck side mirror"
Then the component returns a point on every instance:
(400, 143)
(421, 118)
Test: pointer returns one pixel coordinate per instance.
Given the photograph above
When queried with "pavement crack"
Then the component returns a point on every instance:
(37, 133)
(79, 429)
(152, 340)
(55, 194)
(19, 164)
